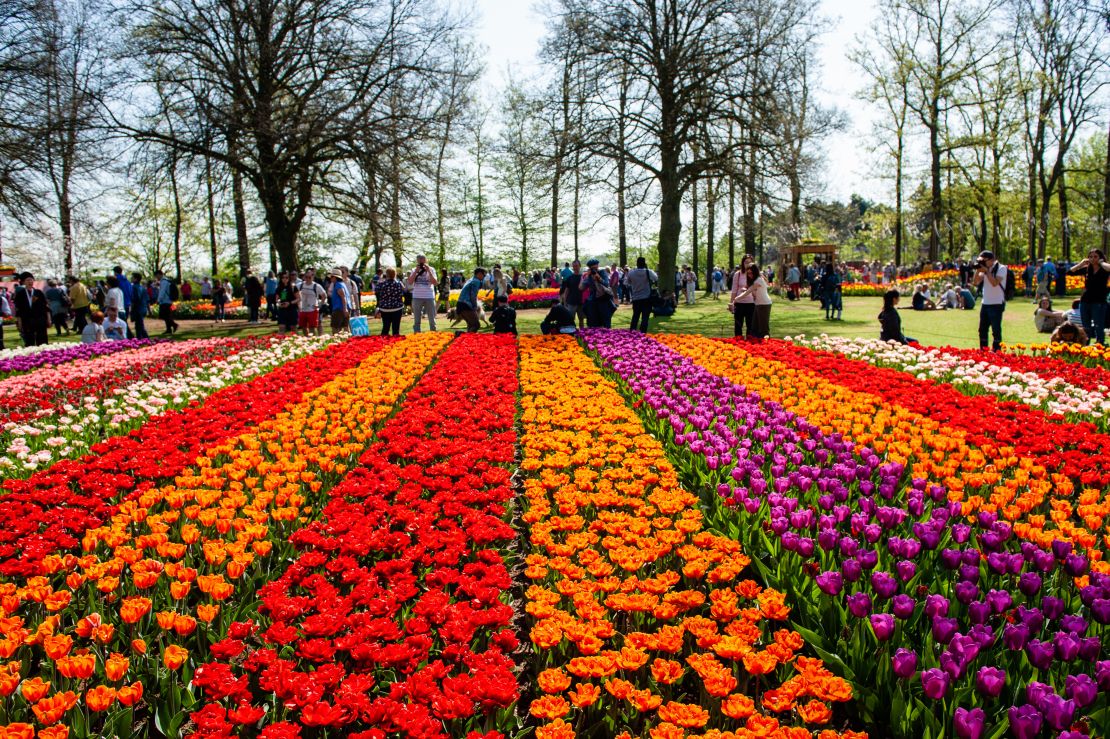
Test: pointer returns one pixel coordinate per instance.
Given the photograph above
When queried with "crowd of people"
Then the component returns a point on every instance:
(115, 307)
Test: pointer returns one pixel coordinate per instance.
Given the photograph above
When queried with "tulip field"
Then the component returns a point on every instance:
(614, 535)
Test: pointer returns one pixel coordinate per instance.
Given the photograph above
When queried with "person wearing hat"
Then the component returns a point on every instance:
(422, 283)
(339, 298)
(466, 307)
(32, 312)
(597, 296)
(991, 274)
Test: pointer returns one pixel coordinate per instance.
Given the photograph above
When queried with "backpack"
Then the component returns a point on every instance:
(1011, 282)
(175, 292)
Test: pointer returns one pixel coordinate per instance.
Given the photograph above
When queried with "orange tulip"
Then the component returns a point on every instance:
(18, 731)
(33, 690)
(138, 646)
(115, 667)
(54, 732)
(100, 698)
(207, 613)
(50, 710)
(77, 666)
(129, 695)
(174, 656)
(134, 608)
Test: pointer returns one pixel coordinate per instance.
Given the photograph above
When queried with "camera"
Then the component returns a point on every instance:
(980, 263)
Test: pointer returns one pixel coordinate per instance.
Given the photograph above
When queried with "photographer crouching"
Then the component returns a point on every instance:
(991, 274)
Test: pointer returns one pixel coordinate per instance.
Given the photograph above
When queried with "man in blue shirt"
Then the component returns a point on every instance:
(1045, 275)
(165, 302)
(140, 304)
(466, 307)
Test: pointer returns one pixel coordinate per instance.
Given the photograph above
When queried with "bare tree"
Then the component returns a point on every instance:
(680, 60)
(288, 82)
(521, 168)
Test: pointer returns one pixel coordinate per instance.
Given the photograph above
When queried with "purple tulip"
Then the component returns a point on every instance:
(1036, 692)
(989, 681)
(903, 606)
(934, 683)
(1025, 721)
(1031, 617)
(1052, 607)
(966, 592)
(978, 612)
(1066, 645)
(904, 664)
(883, 625)
(851, 569)
(1082, 689)
(1014, 636)
(1076, 565)
(1089, 648)
(1040, 653)
(1029, 584)
(1058, 711)
(944, 629)
(884, 584)
(969, 724)
(830, 582)
(950, 558)
(936, 605)
(1061, 548)
(1100, 610)
(999, 600)
(906, 570)
(859, 604)
(1102, 675)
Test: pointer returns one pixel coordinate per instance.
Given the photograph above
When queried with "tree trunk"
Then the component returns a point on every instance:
(395, 210)
(694, 235)
(212, 246)
(710, 231)
(670, 221)
(556, 178)
(441, 228)
(731, 222)
(65, 223)
(936, 200)
(1106, 198)
(622, 216)
(282, 236)
(577, 206)
(176, 216)
(1065, 221)
(899, 226)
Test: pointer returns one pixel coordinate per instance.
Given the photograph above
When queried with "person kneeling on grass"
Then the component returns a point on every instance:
(559, 320)
(503, 317)
(466, 307)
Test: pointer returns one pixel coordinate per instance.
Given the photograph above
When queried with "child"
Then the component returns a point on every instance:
(115, 329)
(94, 330)
(503, 317)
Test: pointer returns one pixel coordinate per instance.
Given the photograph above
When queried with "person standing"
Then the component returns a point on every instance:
(1027, 277)
(167, 293)
(205, 289)
(311, 294)
(742, 304)
(991, 275)
(793, 281)
(140, 305)
(761, 310)
(570, 293)
(391, 302)
(58, 299)
(1046, 273)
(219, 302)
(5, 312)
(340, 300)
(80, 302)
(690, 284)
(354, 289)
(718, 283)
(253, 292)
(639, 282)
(121, 283)
(466, 307)
(1092, 303)
(422, 282)
(186, 290)
(32, 312)
(114, 298)
(286, 304)
(597, 296)
(271, 296)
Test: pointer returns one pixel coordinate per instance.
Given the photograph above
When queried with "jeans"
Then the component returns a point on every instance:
(990, 321)
(761, 322)
(470, 316)
(271, 307)
(641, 312)
(253, 308)
(1093, 316)
(140, 327)
(391, 322)
(744, 314)
(423, 306)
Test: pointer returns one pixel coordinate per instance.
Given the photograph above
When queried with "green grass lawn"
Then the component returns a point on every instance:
(711, 318)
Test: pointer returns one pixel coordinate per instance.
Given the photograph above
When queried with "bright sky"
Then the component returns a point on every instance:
(512, 31)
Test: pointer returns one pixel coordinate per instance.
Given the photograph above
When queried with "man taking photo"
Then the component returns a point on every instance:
(991, 274)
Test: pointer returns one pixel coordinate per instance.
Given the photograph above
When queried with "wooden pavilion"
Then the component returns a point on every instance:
(795, 253)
